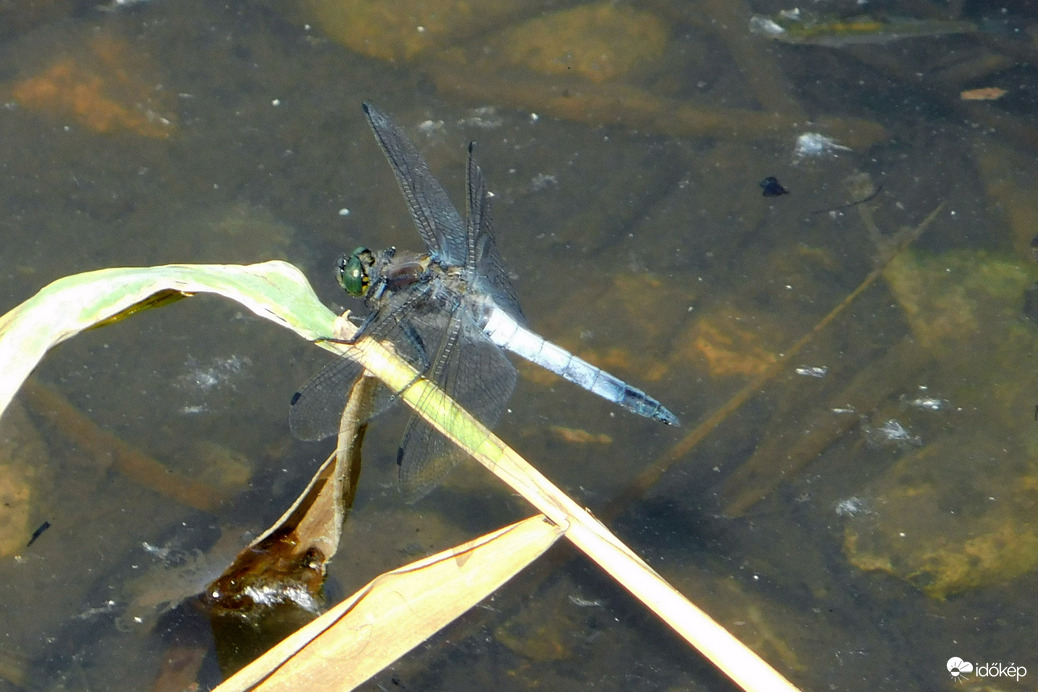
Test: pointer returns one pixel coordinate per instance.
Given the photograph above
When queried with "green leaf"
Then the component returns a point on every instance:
(274, 290)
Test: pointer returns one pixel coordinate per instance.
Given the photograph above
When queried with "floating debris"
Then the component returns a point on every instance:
(485, 117)
(175, 576)
(202, 380)
(766, 26)
(542, 181)
(109, 606)
(772, 187)
(891, 433)
(790, 26)
(431, 128)
(813, 144)
(584, 602)
(115, 5)
(851, 507)
(38, 532)
(219, 372)
(813, 371)
(929, 403)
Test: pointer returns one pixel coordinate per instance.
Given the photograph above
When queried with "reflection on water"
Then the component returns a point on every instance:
(624, 145)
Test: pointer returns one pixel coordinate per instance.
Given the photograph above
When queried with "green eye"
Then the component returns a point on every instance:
(352, 275)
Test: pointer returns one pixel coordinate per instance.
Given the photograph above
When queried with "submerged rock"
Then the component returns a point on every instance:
(109, 87)
(397, 30)
(944, 529)
(958, 513)
(958, 301)
(598, 42)
(23, 482)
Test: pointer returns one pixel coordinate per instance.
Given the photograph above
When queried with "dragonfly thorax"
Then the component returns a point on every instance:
(370, 275)
(400, 272)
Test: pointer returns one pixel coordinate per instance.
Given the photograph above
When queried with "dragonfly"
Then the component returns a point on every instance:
(450, 312)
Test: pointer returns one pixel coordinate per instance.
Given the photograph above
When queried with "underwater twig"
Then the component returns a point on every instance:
(778, 458)
(848, 205)
(125, 458)
(654, 471)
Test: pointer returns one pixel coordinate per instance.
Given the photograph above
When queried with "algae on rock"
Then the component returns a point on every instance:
(958, 513)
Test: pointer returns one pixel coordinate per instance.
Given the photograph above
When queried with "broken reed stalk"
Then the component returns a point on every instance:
(587, 533)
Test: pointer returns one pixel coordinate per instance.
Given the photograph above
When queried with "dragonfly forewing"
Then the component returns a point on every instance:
(490, 276)
(315, 409)
(436, 218)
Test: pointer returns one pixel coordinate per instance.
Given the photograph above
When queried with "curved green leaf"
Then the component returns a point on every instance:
(274, 290)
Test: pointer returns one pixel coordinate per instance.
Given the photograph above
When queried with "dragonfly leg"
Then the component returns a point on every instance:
(361, 330)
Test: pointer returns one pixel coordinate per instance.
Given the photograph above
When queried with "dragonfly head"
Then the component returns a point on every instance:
(353, 271)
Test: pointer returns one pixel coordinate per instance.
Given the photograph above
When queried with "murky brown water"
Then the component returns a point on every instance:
(857, 529)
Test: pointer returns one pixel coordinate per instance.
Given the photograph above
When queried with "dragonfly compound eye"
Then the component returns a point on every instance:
(353, 276)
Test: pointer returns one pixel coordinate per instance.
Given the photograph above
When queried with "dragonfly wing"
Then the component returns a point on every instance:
(425, 458)
(317, 407)
(476, 374)
(490, 275)
(437, 220)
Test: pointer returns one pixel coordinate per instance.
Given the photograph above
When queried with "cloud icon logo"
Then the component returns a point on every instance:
(958, 668)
